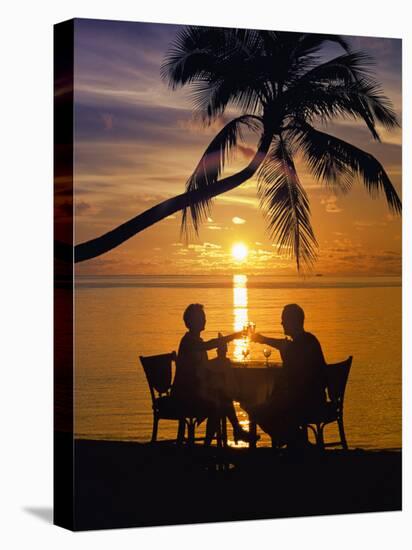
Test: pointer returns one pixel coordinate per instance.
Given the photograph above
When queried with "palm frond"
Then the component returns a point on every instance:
(344, 69)
(360, 99)
(192, 55)
(210, 99)
(221, 65)
(310, 43)
(371, 93)
(323, 164)
(296, 53)
(210, 167)
(286, 205)
(297, 44)
(331, 158)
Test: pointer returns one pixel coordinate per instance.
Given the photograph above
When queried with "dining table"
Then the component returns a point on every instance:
(252, 383)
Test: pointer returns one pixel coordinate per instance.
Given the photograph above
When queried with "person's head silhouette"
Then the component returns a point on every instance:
(194, 318)
(293, 318)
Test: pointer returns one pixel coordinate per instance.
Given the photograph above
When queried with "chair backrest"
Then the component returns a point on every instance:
(158, 371)
(337, 376)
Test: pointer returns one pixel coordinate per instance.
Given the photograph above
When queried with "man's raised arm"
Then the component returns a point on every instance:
(278, 343)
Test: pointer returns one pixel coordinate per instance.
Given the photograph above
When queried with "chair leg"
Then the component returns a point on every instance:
(181, 432)
(219, 438)
(191, 431)
(319, 436)
(210, 431)
(274, 442)
(342, 434)
(224, 431)
(253, 433)
(155, 425)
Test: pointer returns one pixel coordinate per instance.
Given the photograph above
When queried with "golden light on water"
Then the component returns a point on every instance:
(240, 252)
(240, 318)
(240, 313)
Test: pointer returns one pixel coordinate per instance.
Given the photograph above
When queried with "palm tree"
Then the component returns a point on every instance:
(281, 90)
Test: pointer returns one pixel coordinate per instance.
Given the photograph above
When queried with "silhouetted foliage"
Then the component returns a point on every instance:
(281, 87)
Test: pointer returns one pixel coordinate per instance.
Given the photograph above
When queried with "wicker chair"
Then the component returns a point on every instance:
(158, 371)
(337, 376)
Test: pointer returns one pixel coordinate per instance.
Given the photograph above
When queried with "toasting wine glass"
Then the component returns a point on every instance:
(251, 328)
(267, 353)
(245, 353)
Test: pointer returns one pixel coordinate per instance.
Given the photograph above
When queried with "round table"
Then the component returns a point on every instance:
(252, 383)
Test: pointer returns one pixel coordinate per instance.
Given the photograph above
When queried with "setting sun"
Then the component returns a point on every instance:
(239, 251)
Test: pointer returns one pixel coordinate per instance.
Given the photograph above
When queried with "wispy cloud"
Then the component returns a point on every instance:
(137, 143)
(330, 204)
(238, 221)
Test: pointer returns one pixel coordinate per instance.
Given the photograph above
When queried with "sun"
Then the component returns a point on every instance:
(240, 252)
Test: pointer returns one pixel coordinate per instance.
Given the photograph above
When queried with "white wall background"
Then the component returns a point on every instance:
(26, 270)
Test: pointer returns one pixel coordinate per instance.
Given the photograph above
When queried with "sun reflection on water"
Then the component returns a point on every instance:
(240, 319)
(240, 314)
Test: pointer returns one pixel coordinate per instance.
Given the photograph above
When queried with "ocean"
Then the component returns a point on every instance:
(119, 318)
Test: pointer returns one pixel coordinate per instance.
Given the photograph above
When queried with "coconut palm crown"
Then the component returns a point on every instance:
(283, 88)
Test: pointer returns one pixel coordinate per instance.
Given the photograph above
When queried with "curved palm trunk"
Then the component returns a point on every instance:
(115, 237)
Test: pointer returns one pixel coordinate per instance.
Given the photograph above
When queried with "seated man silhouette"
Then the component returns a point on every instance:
(199, 384)
(301, 391)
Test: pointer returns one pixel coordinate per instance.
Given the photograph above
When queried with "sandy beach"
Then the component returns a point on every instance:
(120, 484)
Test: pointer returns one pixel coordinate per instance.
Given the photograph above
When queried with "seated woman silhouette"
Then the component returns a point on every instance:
(199, 384)
(301, 392)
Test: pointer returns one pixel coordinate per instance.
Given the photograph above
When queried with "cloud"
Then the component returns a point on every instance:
(330, 204)
(195, 125)
(348, 257)
(238, 199)
(125, 122)
(203, 247)
(238, 221)
(362, 224)
(82, 207)
(107, 121)
(246, 152)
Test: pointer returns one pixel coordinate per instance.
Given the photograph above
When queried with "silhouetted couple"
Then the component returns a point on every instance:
(203, 385)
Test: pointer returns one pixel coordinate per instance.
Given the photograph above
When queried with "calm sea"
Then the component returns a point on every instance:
(120, 318)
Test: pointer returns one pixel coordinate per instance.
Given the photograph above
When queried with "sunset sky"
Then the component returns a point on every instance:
(137, 143)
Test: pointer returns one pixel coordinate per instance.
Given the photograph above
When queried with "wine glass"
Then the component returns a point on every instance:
(245, 353)
(251, 328)
(267, 353)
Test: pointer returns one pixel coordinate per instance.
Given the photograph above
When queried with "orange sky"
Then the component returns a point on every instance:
(137, 144)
